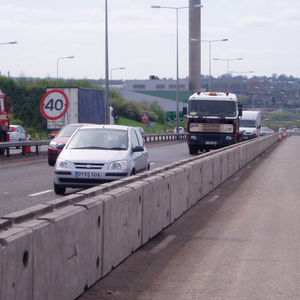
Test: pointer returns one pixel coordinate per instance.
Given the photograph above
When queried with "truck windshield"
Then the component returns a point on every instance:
(247, 123)
(212, 108)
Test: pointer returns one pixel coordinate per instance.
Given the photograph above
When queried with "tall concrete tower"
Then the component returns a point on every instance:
(195, 46)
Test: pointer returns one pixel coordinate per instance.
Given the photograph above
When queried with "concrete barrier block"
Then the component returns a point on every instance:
(217, 170)
(207, 176)
(65, 252)
(179, 192)
(16, 264)
(122, 225)
(225, 165)
(156, 206)
(194, 182)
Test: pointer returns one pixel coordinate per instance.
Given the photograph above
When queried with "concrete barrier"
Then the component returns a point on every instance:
(156, 205)
(16, 263)
(122, 225)
(80, 238)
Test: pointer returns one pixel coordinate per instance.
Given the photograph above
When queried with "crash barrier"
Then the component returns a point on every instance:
(58, 249)
(26, 145)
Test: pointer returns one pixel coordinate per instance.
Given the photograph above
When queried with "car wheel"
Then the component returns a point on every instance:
(132, 172)
(59, 189)
(193, 150)
(148, 168)
(51, 162)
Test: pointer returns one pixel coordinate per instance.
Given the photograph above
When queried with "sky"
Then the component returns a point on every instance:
(141, 39)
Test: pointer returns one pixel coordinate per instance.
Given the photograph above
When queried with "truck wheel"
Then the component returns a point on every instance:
(193, 150)
(59, 189)
(2, 140)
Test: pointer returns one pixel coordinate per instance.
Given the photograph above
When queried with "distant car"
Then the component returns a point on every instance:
(264, 130)
(180, 130)
(17, 133)
(283, 130)
(296, 131)
(59, 141)
(100, 153)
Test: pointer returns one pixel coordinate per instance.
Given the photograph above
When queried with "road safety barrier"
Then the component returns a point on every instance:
(58, 249)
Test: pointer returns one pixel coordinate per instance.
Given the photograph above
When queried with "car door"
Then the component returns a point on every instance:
(137, 156)
(144, 158)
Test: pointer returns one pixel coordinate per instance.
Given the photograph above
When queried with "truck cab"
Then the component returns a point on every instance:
(213, 121)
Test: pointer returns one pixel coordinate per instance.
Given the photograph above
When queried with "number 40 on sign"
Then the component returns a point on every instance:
(54, 104)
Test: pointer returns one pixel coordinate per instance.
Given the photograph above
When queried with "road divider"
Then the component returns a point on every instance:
(58, 249)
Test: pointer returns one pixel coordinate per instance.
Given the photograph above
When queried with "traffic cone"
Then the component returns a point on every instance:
(27, 148)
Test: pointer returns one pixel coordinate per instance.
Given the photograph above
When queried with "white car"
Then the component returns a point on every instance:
(17, 133)
(180, 130)
(100, 153)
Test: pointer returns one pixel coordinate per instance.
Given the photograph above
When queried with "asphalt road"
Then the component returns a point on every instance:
(240, 242)
(27, 182)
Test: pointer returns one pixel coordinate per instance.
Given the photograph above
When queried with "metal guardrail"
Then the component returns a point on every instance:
(148, 138)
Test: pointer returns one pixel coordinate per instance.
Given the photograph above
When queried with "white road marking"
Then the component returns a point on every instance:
(40, 193)
(163, 244)
(213, 198)
(236, 178)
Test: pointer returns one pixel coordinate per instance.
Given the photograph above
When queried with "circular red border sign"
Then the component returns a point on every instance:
(46, 97)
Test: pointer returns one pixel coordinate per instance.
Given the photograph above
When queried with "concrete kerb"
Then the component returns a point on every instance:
(16, 263)
(122, 223)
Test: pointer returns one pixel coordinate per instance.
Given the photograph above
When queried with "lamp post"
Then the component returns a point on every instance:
(228, 60)
(9, 43)
(119, 68)
(209, 56)
(177, 71)
(59, 58)
(107, 112)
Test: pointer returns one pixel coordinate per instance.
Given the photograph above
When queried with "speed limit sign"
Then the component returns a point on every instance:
(54, 104)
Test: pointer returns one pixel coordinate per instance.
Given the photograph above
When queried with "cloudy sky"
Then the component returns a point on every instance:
(265, 33)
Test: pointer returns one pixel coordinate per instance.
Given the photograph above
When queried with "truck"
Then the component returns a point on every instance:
(4, 120)
(86, 105)
(250, 124)
(213, 120)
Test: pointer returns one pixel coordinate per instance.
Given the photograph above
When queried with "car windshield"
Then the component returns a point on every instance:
(67, 131)
(212, 108)
(265, 129)
(247, 123)
(103, 138)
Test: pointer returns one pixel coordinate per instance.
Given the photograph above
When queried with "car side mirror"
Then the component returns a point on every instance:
(138, 149)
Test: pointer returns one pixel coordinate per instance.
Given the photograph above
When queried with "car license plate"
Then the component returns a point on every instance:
(210, 143)
(87, 174)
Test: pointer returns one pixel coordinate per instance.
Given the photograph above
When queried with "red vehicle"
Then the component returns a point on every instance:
(4, 120)
(60, 140)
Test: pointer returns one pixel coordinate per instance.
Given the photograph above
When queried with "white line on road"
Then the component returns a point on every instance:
(213, 198)
(163, 244)
(236, 178)
(40, 193)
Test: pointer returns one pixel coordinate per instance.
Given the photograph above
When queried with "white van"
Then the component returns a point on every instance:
(250, 124)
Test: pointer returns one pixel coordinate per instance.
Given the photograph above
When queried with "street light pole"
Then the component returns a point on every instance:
(228, 60)
(9, 43)
(119, 68)
(62, 57)
(177, 67)
(107, 114)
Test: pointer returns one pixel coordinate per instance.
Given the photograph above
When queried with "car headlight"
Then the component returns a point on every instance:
(53, 144)
(62, 164)
(118, 165)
